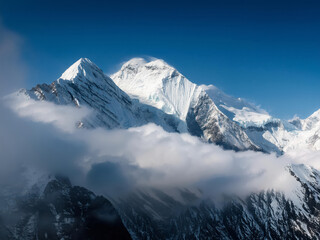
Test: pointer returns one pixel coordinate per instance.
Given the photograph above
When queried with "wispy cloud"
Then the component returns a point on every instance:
(148, 156)
(63, 117)
(12, 68)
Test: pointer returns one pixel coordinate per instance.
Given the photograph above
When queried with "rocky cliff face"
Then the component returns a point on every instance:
(84, 84)
(61, 211)
(155, 214)
(158, 84)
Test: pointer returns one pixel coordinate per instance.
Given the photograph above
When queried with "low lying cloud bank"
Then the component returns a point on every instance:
(116, 161)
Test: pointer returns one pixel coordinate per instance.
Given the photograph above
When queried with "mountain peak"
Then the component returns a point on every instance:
(83, 67)
(134, 63)
(84, 60)
(158, 84)
(316, 114)
(158, 63)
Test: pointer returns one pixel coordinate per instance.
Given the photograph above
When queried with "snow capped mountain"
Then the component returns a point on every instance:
(311, 122)
(158, 84)
(153, 91)
(206, 110)
(158, 93)
(308, 134)
(237, 109)
(269, 133)
(283, 136)
(84, 84)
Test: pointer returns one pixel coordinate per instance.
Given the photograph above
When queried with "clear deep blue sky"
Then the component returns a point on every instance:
(264, 51)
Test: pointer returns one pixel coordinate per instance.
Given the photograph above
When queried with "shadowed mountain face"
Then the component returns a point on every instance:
(183, 214)
(62, 211)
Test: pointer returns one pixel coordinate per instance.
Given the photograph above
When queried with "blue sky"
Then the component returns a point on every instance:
(264, 51)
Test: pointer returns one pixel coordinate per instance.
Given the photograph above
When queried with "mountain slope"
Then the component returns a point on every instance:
(157, 84)
(211, 114)
(160, 85)
(269, 133)
(156, 214)
(61, 211)
(307, 135)
(265, 131)
(153, 91)
(169, 100)
(84, 84)
(237, 109)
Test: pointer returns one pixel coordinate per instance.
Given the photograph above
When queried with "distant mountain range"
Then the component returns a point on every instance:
(144, 92)
(153, 91)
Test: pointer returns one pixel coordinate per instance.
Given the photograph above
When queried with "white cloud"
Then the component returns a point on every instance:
(149, 156)
(65, 118)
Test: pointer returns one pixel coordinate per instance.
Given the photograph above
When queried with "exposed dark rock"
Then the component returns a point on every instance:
(64, 211)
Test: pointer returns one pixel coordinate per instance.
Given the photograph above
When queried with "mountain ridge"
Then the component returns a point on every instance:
(263, 131)
(85, 84)
(158, 84)
(145, 91)
(155, 214)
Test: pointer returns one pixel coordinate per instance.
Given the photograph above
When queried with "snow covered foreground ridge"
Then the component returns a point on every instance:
(153, 91)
